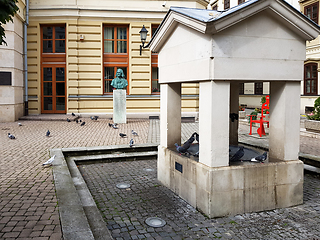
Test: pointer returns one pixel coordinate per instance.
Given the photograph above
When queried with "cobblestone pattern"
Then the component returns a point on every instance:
(125, 210)
(28, 204)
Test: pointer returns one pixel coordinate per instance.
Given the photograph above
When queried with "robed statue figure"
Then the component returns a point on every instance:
(119, 82)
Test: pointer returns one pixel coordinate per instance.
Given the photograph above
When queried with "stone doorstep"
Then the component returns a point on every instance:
(50, 117)
(80, 217)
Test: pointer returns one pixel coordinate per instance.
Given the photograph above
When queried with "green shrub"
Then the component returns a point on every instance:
(315, 115)
(254, 114)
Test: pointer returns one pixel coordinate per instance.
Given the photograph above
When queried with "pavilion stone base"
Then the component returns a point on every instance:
(231, 190)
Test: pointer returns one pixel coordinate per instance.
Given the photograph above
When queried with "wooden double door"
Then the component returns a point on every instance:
(53, 89)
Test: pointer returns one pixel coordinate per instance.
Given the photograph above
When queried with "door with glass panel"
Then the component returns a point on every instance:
(53, 89)
(53, 66)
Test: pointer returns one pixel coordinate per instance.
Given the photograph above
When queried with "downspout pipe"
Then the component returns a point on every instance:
(25, 60)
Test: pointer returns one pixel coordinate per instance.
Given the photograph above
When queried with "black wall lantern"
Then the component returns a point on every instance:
(143, 36)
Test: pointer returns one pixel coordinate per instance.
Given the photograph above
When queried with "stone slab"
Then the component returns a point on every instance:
(230, 190)
(119, 106)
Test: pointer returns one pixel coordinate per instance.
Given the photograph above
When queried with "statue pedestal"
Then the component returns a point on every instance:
(119, 106)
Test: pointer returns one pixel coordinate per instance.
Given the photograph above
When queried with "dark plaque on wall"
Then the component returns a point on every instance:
(5, 78)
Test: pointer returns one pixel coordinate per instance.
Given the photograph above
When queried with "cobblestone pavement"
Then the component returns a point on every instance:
(125, 210)
(28, 205)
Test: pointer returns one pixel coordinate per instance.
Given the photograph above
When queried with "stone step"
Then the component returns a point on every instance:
(116, 156)
(110, 149)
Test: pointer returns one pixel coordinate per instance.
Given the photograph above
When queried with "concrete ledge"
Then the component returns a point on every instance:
(310, 159)
(79, 215)
(312, 125)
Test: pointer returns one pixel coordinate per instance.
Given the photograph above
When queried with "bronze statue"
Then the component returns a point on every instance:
(119, 82)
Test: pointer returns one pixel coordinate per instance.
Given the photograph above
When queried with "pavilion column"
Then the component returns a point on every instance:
(234, 108)
(170, 114)
(214, 99)
(284, 134)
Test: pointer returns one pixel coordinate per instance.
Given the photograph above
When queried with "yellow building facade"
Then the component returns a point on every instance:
(75, 47)
(73, 51)
(310, 87)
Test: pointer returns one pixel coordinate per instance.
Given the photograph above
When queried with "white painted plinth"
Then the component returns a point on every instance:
(230, 190)
(119, 106)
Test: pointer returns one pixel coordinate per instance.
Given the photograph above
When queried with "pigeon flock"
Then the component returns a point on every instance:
(82, 123)
(184, 149)
(237, 157)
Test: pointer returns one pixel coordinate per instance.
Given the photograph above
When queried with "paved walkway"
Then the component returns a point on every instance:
(28, 205)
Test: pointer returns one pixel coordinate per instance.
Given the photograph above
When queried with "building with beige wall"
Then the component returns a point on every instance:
(75, 48)
(12, 68)
(310, 89)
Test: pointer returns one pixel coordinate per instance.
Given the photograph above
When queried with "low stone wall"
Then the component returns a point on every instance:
(242, 114)
(312, 126)
(232, 190)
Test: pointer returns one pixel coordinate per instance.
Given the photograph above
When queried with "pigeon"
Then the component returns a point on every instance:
(122, 135)
(183, 148)
(110, 125)
(68, 120)
(19, 124)
(191, 139)
(196, 154)
(131, 142)
(11, 136)
(134, 133)
(72, 114)
(80, 120)
(77, 121)
(92, 118)
(48, 133)
(197, 136)
(96, 118)
(238, 155)
(49, 162)
(261, 158)
(83, 123)
(114, 126)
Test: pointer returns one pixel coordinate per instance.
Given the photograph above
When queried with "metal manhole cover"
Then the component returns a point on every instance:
(149, 169)
(155, 222)
(123, 185)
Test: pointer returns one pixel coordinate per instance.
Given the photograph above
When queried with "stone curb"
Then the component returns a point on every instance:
(74, 222)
